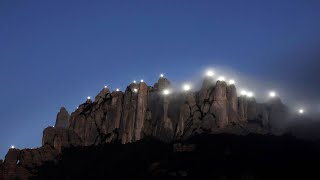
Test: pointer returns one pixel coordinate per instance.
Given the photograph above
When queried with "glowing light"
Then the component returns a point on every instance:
(162, 75)
(105, 87)
(243, 93)
(250, 94)
(12, 147)
(186, 87)
(141, 80)
(272, 94)
(135, 90)
(231, 81)
(117, 89)
(134, 81)
(88, 97)
(221, 78)
(166, 92)
(301, 111)
(210, 73)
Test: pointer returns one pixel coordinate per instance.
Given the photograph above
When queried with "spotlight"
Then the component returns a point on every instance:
(134, 81)
(166, 92)
(141, 80)
(117, 89)
(162, 75)
(186, 87)
(210, 73)
(250, 94)
(135, 90)
(301, 111)
(272, 94)
(221, 78)
(12, 147)
(231, 81)
(88, 97)
(244, 93)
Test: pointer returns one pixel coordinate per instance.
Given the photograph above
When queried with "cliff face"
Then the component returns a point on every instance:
(143, 111)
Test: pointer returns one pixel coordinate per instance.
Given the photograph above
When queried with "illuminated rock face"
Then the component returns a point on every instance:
(98, 122)
(127, 123)
(219, 106)
(133, 115)
(142, 102)
(232, 104)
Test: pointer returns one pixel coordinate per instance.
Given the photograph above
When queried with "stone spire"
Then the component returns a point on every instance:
(62, 120)
(163, 83)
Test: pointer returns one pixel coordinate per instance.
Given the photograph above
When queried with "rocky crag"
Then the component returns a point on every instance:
(145, 111)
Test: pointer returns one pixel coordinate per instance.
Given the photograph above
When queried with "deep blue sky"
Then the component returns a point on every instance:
(55, 53)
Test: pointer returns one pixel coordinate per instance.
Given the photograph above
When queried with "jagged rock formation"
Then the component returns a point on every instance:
(143, 111)
(60, 138)
(62, 120)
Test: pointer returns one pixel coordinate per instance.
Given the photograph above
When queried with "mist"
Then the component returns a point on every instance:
(294, 98)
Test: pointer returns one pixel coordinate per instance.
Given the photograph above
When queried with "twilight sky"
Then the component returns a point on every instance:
(56, 53)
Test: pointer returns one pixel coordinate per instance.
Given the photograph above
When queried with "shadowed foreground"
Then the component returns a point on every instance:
(206, 157)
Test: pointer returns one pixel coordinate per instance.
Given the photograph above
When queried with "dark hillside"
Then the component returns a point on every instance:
(207, 156)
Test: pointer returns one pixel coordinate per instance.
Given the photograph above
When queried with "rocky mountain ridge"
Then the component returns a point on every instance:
(145, 111)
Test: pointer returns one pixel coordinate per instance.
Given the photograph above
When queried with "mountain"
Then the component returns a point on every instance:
(143, 112)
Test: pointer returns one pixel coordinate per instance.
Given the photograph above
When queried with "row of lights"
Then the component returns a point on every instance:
(136, 81)
(249, 94)
(220, 78)
(134, 90)
(231, 81)
(185, 87)
(188, 87)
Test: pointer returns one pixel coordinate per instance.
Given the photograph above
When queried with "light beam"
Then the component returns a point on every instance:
(272, 94)
(166, 92)
(221, 78)
(301, 111)
(186, 87)
(210, 73)
(243, 93)
(250, 94)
